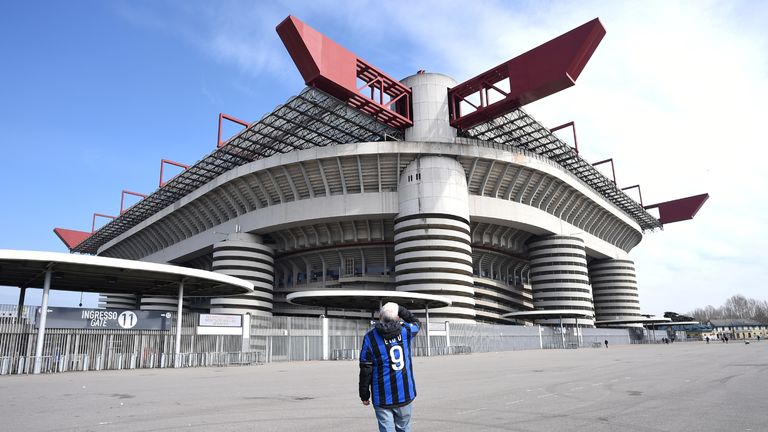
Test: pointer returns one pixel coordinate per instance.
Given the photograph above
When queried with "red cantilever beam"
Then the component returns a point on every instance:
(71, 238)
(95, 215)
(169, 162)
(328, 66)
(223, 117)
(122, 199)
(538, 73)
(573, 128)
(680, 209)
(613, 169)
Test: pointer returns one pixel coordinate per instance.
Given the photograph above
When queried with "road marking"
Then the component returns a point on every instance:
(576, 388)
(472, 410)
(514, 402)
(597, 384)
(547, 395)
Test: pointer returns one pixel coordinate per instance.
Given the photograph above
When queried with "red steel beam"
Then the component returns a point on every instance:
(122, 198)
(93, 223)
(328, 66)
(680, 209)
(573, 128)
(613, 170)
(71, 238)
(639, 192)
(540, 72)
(169, 162)
(223, 117)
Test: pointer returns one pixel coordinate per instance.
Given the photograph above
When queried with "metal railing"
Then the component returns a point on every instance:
(269, 339)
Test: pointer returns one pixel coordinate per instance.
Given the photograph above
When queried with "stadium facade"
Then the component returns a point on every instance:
(422, 185)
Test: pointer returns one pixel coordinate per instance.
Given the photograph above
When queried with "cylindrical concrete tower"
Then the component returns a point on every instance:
(614, 288)
(163, 304)
(245, 256)
(118, 301)
(430, 108)
(559, 277)
(433, 252)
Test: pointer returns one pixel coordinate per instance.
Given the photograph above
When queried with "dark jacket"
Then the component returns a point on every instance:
(387, 330)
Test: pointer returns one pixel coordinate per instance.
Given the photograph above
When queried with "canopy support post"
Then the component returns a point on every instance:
(177, 349)
(43, 316)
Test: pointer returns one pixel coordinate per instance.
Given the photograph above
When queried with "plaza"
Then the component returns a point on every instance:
(682, 386)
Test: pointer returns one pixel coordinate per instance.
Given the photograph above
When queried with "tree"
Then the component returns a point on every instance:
(737, 307)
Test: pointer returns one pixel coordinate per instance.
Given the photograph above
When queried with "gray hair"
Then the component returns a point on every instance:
(388, 312)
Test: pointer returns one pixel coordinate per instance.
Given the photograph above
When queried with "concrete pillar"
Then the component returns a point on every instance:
(245, 256)
(559, 277)
(43, 317)
(326, 339)
(614, 288)
(432, 238)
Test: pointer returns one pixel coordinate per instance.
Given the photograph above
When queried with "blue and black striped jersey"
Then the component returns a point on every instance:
(392, 382)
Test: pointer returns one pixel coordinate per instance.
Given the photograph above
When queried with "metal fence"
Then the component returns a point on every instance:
(102, 349)
(268, 339)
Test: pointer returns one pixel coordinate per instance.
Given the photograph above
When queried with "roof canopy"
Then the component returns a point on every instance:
(111, 275)
(365, 299)
(640, 320)
(548, 314)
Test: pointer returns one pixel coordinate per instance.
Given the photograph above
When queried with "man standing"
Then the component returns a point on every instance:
(386, 370)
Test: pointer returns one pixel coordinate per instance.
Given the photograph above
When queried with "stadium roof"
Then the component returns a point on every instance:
(519, 129)
(311, 119)
(317, 119)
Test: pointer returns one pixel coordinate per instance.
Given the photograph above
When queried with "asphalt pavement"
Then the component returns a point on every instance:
(677, 387)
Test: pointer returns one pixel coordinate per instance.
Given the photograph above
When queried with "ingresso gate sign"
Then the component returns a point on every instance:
(76, 318)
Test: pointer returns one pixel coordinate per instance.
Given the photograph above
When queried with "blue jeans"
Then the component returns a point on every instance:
(394, 419)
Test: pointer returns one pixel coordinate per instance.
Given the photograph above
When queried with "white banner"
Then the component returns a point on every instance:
(220, 320)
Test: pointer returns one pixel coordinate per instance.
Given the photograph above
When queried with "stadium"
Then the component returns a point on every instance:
(362, 182)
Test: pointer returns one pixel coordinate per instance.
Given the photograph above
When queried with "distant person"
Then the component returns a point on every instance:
(758, 338)
(386, 370)
(707, 339)
(606, 343)
(725, 338)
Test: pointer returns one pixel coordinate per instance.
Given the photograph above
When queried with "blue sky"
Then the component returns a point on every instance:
(94, 94)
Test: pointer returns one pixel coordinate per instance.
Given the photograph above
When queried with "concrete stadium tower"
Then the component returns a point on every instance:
(245, 256)
(433, 252)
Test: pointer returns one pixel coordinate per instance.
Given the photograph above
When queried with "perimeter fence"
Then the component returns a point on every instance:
(265, 339)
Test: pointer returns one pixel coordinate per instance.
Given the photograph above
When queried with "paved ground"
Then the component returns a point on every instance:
(678, 387)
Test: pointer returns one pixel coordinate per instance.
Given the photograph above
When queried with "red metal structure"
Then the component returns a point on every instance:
(122, 199)
(223, 117)
(572, 125)
(613, 170)
(680, 209)
(639, 192)
(332, 68)
(93, 222)
(169, 162)
(71, 238)
(538, 73)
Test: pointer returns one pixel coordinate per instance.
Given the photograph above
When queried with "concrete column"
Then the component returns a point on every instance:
(246, 347)
(245, 256)
(614, 288)
(433, 253)
(326, 340)
(556, 258)
(179, 311)
(43, 316)
(20, 307)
